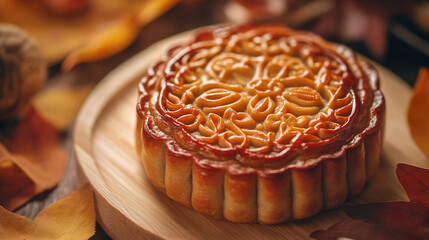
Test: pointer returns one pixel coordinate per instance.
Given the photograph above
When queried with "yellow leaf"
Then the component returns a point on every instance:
(119, 36)
(60, 35)
(418, 112)
(153, 9)
(105, 44)
(72, 217)
(59, 106)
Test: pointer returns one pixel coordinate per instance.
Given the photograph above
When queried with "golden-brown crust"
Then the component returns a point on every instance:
(240, 203)
(334, 182)
(356, 174)
(274, 198)
(178, 178)
(239, 184)
(208, 190)
(307, 195)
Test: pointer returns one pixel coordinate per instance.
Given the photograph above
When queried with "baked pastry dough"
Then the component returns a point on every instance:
(260, 123)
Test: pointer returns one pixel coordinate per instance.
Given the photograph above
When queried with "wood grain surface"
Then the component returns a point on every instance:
(128, 207)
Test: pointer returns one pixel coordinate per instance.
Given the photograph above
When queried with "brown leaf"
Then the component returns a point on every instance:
(415, 182)
(356, 229)
(406, 220)
(72, 217)
(15, 186)
(59, 106)
(31, 160)
(384, 220)
(403, 220)
(418, 112)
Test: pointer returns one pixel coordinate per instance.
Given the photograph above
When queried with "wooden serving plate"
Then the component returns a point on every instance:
(127, 205)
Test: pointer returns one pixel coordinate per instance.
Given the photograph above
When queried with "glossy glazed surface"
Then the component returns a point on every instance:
(259, 99)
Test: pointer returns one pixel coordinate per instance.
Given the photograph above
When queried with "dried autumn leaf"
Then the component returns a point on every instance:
(404, 220)
(59, 106)
(72, 217)
(407, 220)
(31, 160)
(384, 220)
(16, 187)
(401, 220)
(119, 36)
(105, 44)
(59, 36)
(356, 229)
(415, 182)
(418, 112)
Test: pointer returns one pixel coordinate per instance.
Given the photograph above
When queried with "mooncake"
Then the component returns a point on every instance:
(259, 123)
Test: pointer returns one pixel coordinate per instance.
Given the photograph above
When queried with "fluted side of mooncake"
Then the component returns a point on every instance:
(260, 124)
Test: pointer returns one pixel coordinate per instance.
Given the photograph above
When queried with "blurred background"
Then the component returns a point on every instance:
(394, 33)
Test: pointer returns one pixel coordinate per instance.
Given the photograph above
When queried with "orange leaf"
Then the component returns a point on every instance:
(58, 35)
(31, 160)
(418, 112)
(72, 217)
(105, 44)
(59, 106)
(79, 34)
(119, 36)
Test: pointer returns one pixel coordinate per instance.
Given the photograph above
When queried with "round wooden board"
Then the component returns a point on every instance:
(128, 207)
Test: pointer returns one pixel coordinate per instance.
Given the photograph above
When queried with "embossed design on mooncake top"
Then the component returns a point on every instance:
(260, 123)
(257, 94)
